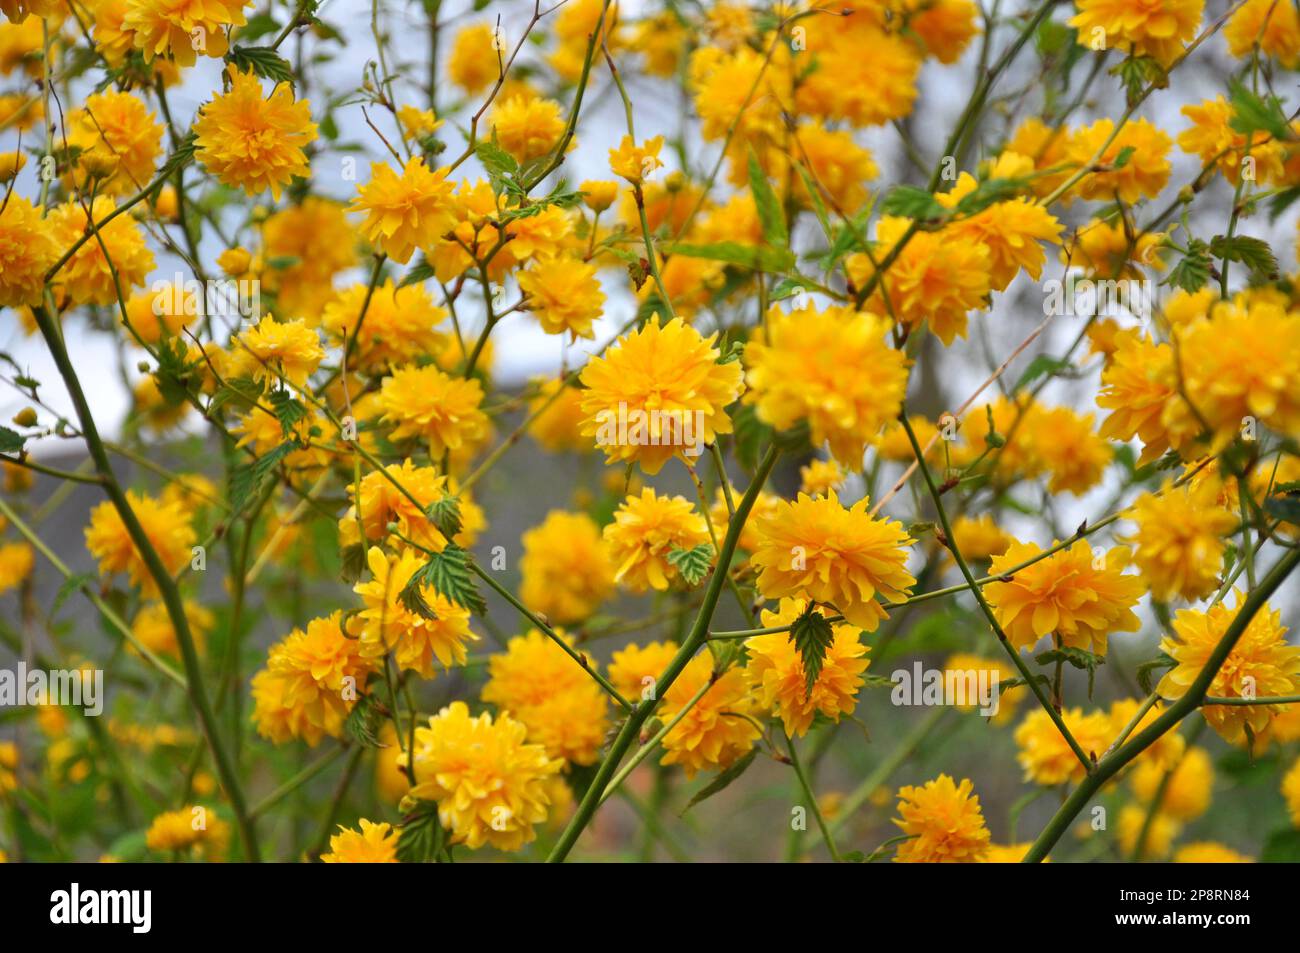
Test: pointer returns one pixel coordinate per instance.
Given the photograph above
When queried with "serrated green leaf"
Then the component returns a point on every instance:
(1193, 270)
(692, 564)
(1252, 252)
(770, 215)
(248, 479)
(445, 514)
(288, 410)
(241, 392)
(11, 441)
(1255, 113)
(362, 724)
(812, 636)
(263, 61)
(422, 836)
(912, 202)
(449, 574)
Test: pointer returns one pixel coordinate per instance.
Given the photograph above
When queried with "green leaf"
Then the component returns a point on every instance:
(990, 192)
(1284, 508)
(692, 564)
(723, 779)
(1044, 365)
(789, 287)
(247, 480)
(760, 258)
(912, 202)
(445, 514)
(263, 61)
(769, 207)
(449, 574)
(420, 272)
(1193, 269)
(242, 393)
(1136, 73)
(68, 587)
(179, 157)
(422, 836)
(1253, 113)
(259, 24)
(288, 410)
(363, 723)
(812, 636)
(1254, 253)
(11, 441)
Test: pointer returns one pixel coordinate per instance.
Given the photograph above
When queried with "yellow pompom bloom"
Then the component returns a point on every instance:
(1065, 445)
(1075, 594)
(646, 528)
(475, 62)
(21, 45)
(1209, 852)
(634, 670)
(1160, 833)
(1187, 794)
(166, 525)
(566, 568)
(194, 829)
(564, 709)
(153, 628)
(1164, 752)
(1212, 139)
(252, 142)
(819, 477)
(274, 349)
(799, 373)
(323, 672)
(867, 77)
(1145, 172)
(1179, 543)
(86, 277)
(1291, 791)
(932, 280)
(1260, 664)
(1007, 853)
(944, 823)
(1135, 388)
(837, 165)
(528, 128)
(27, 250)
(373, 844)
(416, 123)
(1103, 250)
(979, 537)
(16, 563)
(1012, 231)
(181, 28)
(387, 625)
(117, 126)
(817, 549)
(1275, 27)
(490, 785)
(564, 295)
(777, 675)
(544, 235)
(381, 503)
(598, 195)
(158, 313)
(714, 733)
(1155, 28)
(636, 163)
(658, 392)
(1044, 753)
(963, 665)
(557, 419)
(429, 404)
(308, 234)
(398, 327)
(945, 27)
(407, 211)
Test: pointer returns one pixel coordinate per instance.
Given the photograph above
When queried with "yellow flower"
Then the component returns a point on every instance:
(475, 62)
(564, 295)
(557, 420)
(1164, 752)
(1077, 595)
(543, 235)
(383, 503)
(634, 670)
(1179, 542)
(1187, 793)
(16, 562)
(489, 784)
(945, 27)
(1007, 853)
(254, 143)
(979, 537)
(117, 126)
(308, 235)
(658, 392)
(528, 128)
(933, 279)
(837, 165)
(1012, 231)
(290, 348)
(944, 823)
(645, 530)
(152, 627)
(1160, 833)
(398, 326)
(1155, 28)
(598, 195)
(964, 665)
(323, 672)
(1065, 445)
(1135, 388)
(1291, 791)
(442, 410)
(817, 549)
(802, 373)
(180, 28)
(195, 829)
(865, 76)
(1146, 170)
(776, 672)
(1209, 852)
(166, 526)
(235, 262)
(1275, 27)
(405, 212)
(715, 732)
(564, 709)
(373, 844)
(86, 277)
(819, 477)
(417, 123)
(1212, 139)
(386, 624)
(1103, 250)
(636, 163)
(1260, 664)
(1045, 754)
(566, 568)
